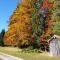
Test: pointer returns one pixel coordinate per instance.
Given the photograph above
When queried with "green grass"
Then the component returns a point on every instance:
(27, 56)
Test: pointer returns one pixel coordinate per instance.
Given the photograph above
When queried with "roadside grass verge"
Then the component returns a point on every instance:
(27, 56)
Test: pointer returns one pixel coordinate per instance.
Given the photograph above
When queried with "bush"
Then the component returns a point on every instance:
(31, 50)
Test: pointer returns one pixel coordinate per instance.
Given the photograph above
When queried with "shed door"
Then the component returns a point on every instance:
(54, 48)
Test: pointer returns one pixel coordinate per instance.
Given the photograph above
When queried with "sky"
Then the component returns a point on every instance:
(6, 9)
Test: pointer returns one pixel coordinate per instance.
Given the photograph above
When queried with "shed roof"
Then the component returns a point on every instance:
(54, 37)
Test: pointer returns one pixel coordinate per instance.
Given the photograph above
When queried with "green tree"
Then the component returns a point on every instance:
(56, 16)
(2, 37)
(37, 23)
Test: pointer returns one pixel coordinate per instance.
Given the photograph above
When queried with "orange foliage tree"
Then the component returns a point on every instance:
(24, 30)
(48, 31)
(48, 24)
(10, 35)
(20, 29)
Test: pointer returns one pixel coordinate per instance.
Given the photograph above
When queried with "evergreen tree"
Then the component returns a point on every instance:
(2, 37)
(37, 22)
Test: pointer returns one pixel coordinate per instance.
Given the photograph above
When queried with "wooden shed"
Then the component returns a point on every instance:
(54, 46)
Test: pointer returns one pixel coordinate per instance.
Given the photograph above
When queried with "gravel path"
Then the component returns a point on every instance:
(8, 57)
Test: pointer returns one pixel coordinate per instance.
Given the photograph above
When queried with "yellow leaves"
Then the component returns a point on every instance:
(13, 17)
(23, 9)
(20, 24)
(26, 3)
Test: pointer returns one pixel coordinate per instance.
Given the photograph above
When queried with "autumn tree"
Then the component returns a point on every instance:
(24, 30)
(10, 35)
(20, 29)
(41, 21)
(47, 21)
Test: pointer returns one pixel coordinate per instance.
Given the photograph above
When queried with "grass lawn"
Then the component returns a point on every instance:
(27, 56)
